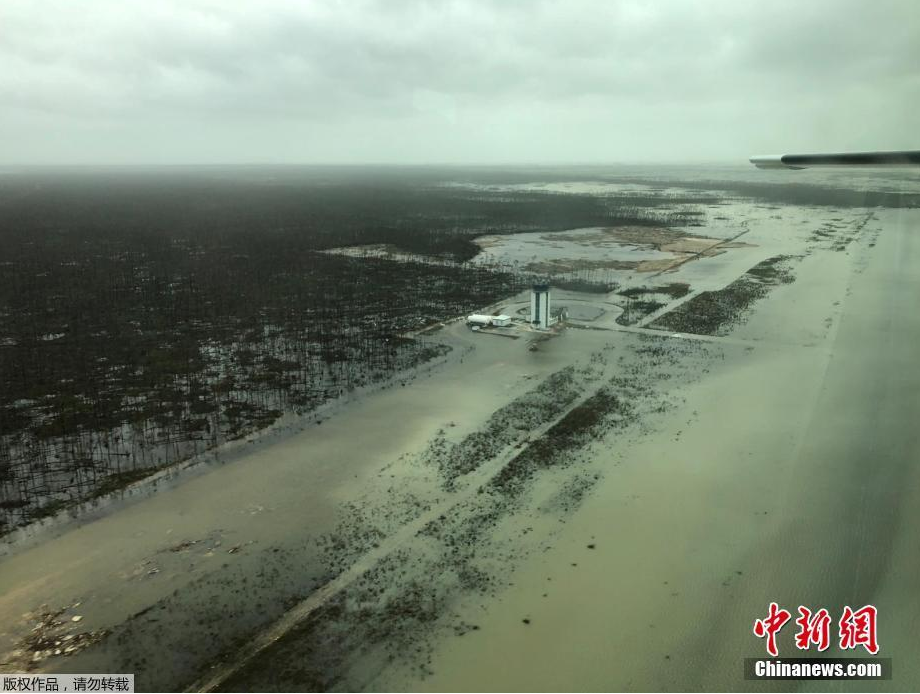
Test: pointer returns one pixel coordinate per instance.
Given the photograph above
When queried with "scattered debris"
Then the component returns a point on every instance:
(50, 637)
(184, 545)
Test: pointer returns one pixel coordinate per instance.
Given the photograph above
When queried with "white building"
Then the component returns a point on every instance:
(540, 306)
(501, 321)
(479, 319)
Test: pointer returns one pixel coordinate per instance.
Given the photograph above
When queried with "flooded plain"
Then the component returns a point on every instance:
(608, 506)
(772, 479)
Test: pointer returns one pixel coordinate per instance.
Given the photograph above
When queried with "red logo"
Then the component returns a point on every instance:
(813, 629)
(770, 626)
(856, 628)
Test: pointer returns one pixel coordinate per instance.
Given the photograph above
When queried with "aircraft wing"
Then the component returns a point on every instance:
(803, 161)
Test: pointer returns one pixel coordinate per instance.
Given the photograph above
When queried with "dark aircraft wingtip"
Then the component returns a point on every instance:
(801, 161)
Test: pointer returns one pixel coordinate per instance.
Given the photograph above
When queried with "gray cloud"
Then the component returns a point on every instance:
(406, 80)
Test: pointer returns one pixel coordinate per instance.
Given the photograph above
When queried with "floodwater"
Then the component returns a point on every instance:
(777, 463)
(790, 473)
(172, 552)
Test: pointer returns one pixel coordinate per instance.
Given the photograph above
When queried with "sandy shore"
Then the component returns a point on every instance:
(775, 463)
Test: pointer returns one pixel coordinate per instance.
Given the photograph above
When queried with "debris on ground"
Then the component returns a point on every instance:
(52, 636)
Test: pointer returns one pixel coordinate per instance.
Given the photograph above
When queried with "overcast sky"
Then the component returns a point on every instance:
(471, 81)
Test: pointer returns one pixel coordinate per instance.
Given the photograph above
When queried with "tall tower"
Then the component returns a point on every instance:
(539, 306)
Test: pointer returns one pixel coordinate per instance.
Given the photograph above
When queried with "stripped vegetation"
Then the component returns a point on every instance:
(715, 313)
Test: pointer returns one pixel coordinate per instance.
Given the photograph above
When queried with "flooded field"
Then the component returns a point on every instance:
(739, 495)
(608, 505)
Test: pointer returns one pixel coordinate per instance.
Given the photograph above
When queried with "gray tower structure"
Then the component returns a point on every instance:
(539, 306)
